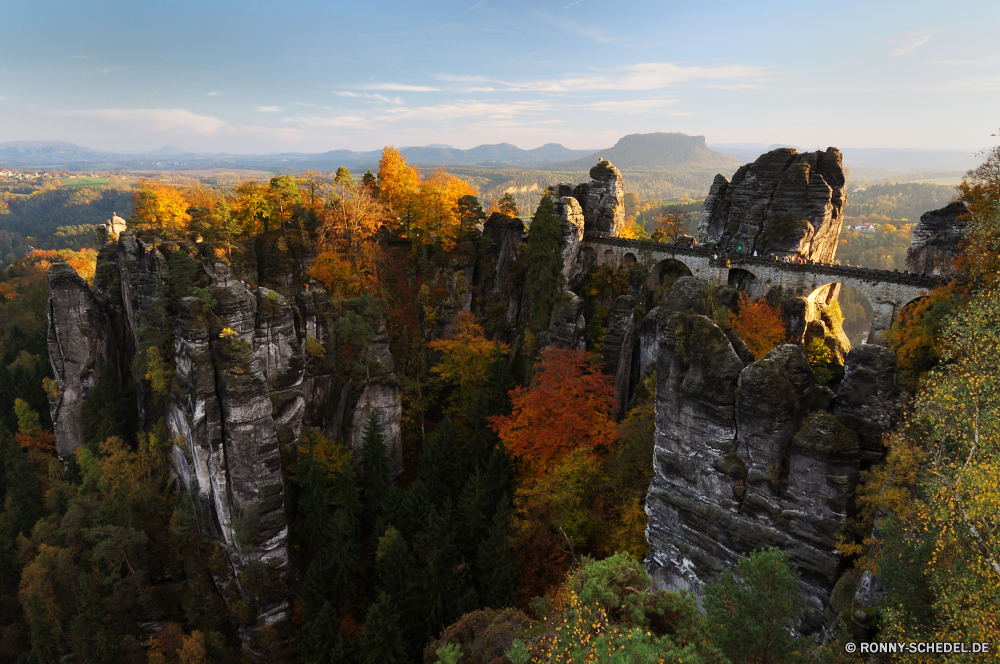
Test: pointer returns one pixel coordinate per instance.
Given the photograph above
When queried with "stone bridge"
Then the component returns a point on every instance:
(887, 291)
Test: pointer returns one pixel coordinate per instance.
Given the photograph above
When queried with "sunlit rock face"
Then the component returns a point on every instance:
(602, 200)
(785, 203)
(934, 243)
(748, 455)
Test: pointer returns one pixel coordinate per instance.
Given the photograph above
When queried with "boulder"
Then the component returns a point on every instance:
(934, 242)
(784, 202)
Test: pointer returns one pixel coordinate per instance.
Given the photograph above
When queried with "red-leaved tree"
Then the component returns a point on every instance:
(568, 406)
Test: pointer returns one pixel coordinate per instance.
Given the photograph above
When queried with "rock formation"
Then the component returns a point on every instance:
(616, 353)
(934, 243)
(602, 200)
(568, 327)
(747, 457)
(868, 398)
(77, 351)
(785, 203)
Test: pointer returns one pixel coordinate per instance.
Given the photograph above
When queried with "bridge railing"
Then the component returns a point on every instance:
(739, 259)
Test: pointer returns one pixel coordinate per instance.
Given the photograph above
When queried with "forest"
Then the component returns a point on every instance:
(515, 531)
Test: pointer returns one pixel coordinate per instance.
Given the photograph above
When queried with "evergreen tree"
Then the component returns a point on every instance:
(483, 440)
(381, 642)
(93, 641)
(110, 409)
(394, 565)
(545, 263)
(471, 517)
(342, 568)
(753, 616)
(368, 180)
(44, 647)
(416, 504)
(499, 474)
(497, 572)
(315, 589)
(321, 640)
(441, 464)
(439, 581)
(314, 500)
(375, 481)
(23, 504)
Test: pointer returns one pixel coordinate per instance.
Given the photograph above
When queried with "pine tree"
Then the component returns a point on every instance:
(44, 647)
(441, 464)
(381, 642)
(439, 583)
(23, 505)
(499, 474)
(471, 517)
(394, 564)
(342, 568)
(375, 481)
(497, 572)
(483, 440)
(93, 641)
(545, 263)
(315, 589)
(321, 640)
(314, 501)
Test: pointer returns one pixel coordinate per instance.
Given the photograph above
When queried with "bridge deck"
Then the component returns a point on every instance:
(737, 260)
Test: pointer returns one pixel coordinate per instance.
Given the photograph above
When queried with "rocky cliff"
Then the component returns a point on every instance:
(601, 201)
(934, 243)
(750, 456)
(252, 368)
(784, 203)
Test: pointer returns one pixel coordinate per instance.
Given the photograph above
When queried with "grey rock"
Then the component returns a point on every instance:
(868, 398)
(381, 393)
(568, 327)
(934, 243)
(77, 351)
(784, 202)
(602, 200)
(616, 353)
(571, 223)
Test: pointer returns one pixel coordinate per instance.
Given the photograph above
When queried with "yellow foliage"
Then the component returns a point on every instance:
(160, 206)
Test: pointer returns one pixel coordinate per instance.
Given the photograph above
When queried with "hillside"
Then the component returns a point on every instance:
(659, 150)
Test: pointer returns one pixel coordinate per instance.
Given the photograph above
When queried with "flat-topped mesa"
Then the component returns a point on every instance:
(785, 203)
(935, 239)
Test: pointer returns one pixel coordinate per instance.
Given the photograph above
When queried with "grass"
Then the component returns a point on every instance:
(85, 182)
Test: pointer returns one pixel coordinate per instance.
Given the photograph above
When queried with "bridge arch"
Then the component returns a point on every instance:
(746, 281)
(856, 306)
(629, 260)
(667, 267)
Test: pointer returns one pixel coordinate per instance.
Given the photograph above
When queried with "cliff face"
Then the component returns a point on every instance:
(934, 243)
(784, 202)
(749, 456)
(250, 373)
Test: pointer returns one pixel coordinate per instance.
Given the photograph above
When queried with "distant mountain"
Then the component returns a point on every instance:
(32, 153)
(659, 150)
(897, 159)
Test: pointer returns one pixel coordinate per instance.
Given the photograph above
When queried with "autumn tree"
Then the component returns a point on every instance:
(466, 360)
(398, 183)
(470, 214)
(158, 205)
(668, 227)
(253, 206)
(759, 324)
(436, 213)
(506, 205)
(567, 406)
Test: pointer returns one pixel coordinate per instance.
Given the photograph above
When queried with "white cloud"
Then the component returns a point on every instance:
(367, 95)
(353, 122)
(269, 109)
(213, 93)
(908, 42)
(465, 109)
(399, 87)
(638, 77)
(631, 106)
(156, 119)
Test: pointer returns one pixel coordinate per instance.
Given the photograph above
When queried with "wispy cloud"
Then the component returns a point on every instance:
(349, 121)
(908, 42)
(631, 106)
(399, 87)
(213, 93)
(108, 70)
(367, 95)
(476, 6)
(467, 108)
(156, 119)
(269, 109)
(643, 76)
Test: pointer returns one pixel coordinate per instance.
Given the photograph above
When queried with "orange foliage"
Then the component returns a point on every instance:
(160, 205)
(568, 406)
(760, 325)
(467, 355)
(41, 439)
(33, 268)
(398, 182)
(436, 207)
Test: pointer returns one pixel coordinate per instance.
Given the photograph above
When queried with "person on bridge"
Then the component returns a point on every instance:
(755, 253)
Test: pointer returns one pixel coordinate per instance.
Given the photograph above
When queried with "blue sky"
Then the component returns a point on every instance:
(301, 76)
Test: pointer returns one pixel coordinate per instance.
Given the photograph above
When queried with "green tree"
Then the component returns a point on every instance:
(285, 193)
(343, 175)
(753, 614)
(321, 640)
(375, 481)
(497, 570)
(507, 205)
(441, 464)
(92, 640)
(312, 476)
(544, 262)
(470, 213)
(381, 642)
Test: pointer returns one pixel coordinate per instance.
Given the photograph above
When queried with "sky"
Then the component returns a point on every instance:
(300, 76)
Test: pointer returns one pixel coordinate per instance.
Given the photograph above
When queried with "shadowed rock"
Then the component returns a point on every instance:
(934, 243)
